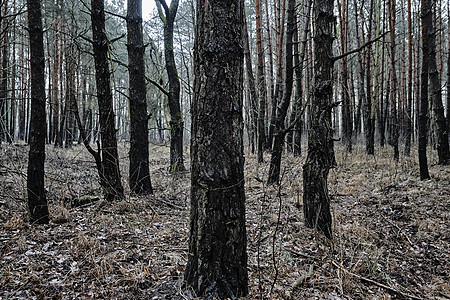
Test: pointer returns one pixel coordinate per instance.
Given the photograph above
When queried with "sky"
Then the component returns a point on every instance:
(147, 8)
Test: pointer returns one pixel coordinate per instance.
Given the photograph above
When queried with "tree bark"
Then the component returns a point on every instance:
(423, 112)
(167, 15)
(320, 159)
(262, 92)
(369, 121)
(442, 145)
(110, 173)
(37, 201)
(139, 176)
(217, 262)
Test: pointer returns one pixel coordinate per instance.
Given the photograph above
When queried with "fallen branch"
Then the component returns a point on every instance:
(302, 279)
(368, 280)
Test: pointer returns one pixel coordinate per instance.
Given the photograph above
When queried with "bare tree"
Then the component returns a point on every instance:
(37, 201)
(423, 112)
(282, 108)
(139, 165)
(262, 92)
(320, 159)
(217, 262)
(167, 15)
(108, 157)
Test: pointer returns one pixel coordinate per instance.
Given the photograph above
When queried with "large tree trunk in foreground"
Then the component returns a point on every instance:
(167, 15)
(139, 176)
(217, 262)
(109, 173)
(37, 202)
(320, 159)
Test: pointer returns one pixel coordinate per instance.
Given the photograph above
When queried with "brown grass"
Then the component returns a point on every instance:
(389, 227)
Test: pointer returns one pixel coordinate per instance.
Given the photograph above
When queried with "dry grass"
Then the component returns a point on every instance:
(391, 233)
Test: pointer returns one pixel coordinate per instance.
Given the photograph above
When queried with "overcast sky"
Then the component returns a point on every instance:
(147, 7)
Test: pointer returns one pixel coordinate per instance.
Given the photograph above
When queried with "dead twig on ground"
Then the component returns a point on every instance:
(368, 280)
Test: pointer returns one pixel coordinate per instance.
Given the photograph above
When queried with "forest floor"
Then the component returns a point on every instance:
(391, 231)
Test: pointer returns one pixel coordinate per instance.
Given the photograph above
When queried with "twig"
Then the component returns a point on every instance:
(368, 280)
(299, 281)
(300, 254)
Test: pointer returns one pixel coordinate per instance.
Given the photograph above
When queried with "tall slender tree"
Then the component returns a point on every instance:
(408, 129)
(139, 176)
(423, 111)
(435, 90)
(167, 15)
(217, 262)
(394, 81)
(320, 158)
(282, 108)
(109, 171)
(262, 91)
(252, 87)
(37, 201)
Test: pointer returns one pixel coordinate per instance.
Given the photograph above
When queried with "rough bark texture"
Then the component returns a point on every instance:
(262, 93)
(436, 92)
(139, 176)
(217, 262)
(369, 120)
(37, 202)
(110, 173)
(282, 108)
(423, 111)
(316, 201)
(176, 119)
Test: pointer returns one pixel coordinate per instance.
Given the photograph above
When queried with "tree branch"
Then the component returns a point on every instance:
(335, 58)
(157, 85)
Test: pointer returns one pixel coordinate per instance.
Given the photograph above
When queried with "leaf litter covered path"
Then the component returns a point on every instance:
(391, 233)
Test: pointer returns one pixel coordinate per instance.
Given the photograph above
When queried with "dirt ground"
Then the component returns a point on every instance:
(391, 231)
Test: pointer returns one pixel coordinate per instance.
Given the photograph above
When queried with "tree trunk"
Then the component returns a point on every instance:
(408, 129)
(110, 173)
(167, 15)
(139, 176)
(320, 159)
(369, 121)
(281, 112)
(347, 124)
(436, 92)
(278, 93)
(394, 81)
(262, 92)
(251, 82)
(4, 73)
(217, 262)
(361, 89)
(423, 112)
(37, 201)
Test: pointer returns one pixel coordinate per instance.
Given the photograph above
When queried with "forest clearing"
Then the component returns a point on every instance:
(391, 233)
